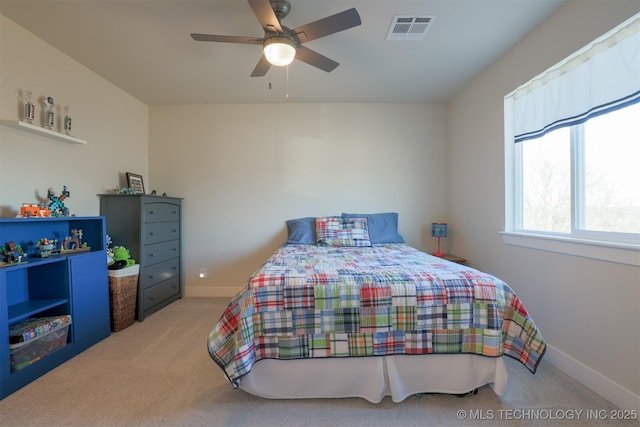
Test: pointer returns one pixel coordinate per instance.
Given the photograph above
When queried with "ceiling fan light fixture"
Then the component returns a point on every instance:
(279, 50)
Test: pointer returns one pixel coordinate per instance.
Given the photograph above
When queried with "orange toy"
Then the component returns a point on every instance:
(31, 210)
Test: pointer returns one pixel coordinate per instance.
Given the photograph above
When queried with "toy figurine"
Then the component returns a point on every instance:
(73, 243)
(56, 203)
(12, 253)
(122, 258)
(50, 115)
(29, 108)
(67, 120)
(124, 190)
(46, 246)
(31, 210)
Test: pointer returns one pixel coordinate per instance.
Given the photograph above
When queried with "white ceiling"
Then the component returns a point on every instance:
(145, 48)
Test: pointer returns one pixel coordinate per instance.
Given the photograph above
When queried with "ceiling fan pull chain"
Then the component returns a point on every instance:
(287, 95)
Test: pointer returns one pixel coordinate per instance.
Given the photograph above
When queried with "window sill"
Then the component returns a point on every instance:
(628, 254)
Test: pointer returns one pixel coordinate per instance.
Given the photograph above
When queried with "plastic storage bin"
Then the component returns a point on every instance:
(32, 340)
(123, 291)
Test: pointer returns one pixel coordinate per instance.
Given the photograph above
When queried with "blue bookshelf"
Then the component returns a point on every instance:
(71, 282)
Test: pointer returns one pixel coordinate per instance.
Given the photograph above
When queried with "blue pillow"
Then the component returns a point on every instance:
(383, 227)
(301, 231)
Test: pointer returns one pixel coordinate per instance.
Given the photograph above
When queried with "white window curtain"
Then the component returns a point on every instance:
(601, 77)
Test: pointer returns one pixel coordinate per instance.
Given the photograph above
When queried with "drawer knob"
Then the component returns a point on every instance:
(151, 233)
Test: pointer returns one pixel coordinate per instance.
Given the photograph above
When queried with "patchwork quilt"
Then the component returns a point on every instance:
(314, 301)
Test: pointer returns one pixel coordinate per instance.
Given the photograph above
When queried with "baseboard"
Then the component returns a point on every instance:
(210, 291)
(613, 392)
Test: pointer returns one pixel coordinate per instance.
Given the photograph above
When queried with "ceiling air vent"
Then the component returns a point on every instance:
(409, 27)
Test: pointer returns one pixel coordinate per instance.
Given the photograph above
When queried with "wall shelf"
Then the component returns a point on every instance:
(19, 124)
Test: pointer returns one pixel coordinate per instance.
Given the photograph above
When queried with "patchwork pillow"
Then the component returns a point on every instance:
(383, 227)
(339, 231)
(301, 231)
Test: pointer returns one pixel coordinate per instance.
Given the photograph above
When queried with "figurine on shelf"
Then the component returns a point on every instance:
(77, 233)
(29, 108)
(124, 190)
(67, 120)
(12, 253)
(74, 243)
(31, 210)
(56, 203)
(49, 115)
(46, 247)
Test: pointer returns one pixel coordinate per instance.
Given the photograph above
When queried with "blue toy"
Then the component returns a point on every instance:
(56, 203)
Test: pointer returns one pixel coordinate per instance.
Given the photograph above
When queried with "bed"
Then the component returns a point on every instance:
(345, 308)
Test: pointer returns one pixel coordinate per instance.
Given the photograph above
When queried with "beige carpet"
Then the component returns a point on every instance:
(159, 373)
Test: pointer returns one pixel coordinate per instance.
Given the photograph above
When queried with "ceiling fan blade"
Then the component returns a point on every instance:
(261, 67)
(225, 39)
(266, 16)
(329, 25)
(312, 57)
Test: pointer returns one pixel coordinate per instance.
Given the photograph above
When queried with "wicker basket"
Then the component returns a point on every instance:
(123, 290)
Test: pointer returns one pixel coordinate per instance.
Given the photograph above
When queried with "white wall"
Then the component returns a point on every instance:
(245, 169)
(588, 310)
(114, 124)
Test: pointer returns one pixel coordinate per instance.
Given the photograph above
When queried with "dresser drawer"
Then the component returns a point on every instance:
(161, 212)
(151, 275)
(160, 292)
(161, 232)
(159, 252)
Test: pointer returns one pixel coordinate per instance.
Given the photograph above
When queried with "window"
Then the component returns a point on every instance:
(584, 179)
(572, 151)
(546, 183)
(609, 189)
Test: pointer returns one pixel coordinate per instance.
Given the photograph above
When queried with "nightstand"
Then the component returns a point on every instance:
(456, 259)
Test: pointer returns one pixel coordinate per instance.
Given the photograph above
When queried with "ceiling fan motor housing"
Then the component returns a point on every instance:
(281, 8)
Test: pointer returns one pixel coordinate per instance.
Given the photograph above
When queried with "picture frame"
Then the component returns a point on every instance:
(135, 182)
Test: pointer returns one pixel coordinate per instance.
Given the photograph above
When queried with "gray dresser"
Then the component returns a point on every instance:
(150, 227)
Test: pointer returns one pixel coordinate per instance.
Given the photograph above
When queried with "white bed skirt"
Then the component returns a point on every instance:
(373, 378)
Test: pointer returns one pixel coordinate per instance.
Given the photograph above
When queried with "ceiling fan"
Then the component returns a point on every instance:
(281, 44)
